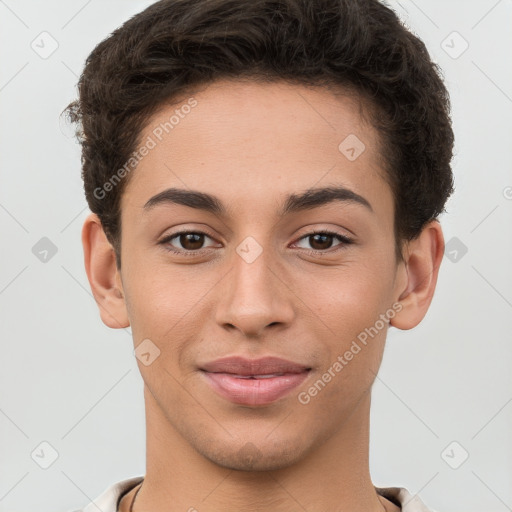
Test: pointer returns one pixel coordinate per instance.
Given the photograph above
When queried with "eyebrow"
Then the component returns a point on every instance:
(309, 199)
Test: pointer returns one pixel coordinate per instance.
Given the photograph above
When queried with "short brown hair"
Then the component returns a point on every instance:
(360, 45)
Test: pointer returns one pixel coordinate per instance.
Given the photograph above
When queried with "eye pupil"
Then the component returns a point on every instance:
(322, 242)
(191, 241)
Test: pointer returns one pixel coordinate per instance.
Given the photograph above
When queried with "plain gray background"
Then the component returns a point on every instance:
(444, 391)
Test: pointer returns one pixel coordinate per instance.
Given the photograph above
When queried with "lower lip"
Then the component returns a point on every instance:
(254, 391)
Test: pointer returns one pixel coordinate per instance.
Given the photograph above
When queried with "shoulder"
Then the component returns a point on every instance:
(404, 499)
(108, 500)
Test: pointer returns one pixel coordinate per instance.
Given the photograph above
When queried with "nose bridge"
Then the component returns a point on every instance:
(254, 296)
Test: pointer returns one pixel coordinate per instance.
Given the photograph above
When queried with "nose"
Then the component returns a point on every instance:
(254, 296)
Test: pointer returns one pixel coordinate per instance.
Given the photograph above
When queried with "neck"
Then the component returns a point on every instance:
(334, 476)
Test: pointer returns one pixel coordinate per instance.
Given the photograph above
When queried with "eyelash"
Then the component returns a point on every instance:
(315, 252)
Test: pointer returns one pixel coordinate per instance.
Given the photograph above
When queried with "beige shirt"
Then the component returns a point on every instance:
(109, 500)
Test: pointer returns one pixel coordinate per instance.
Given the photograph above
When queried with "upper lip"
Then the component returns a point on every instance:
(263, 366)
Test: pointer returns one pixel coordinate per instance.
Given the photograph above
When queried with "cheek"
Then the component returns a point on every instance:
(351, 319)
(170, 309)
(350, 364)
(348, 299)
(154, 307)
(156, 295)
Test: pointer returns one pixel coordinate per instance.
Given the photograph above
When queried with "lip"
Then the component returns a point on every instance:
(254, 381)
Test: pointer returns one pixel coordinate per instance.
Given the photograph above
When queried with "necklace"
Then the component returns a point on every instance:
(135, 496)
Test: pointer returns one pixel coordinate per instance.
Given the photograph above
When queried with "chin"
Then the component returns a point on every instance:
(255, 457)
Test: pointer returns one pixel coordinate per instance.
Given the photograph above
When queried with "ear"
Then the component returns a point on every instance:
(104, 277)
(419, 276)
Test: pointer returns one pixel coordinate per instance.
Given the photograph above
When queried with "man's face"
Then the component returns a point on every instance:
(255, 282)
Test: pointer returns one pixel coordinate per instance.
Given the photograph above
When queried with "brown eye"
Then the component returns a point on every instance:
(186, 242)
(191, 241)
(321, 241)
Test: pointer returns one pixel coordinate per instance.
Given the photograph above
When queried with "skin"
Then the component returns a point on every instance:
(251, 144)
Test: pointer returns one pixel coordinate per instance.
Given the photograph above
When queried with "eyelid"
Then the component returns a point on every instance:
(344, 240)
(167, 238)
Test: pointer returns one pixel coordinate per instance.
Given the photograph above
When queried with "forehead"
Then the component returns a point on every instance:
(239, 140)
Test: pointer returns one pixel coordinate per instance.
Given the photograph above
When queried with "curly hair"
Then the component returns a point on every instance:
(358, 45)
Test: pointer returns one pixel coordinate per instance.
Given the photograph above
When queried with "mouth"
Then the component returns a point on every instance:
(254, 382)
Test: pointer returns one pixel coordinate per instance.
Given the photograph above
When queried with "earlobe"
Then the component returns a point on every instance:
(104, 277)
(423, 259)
